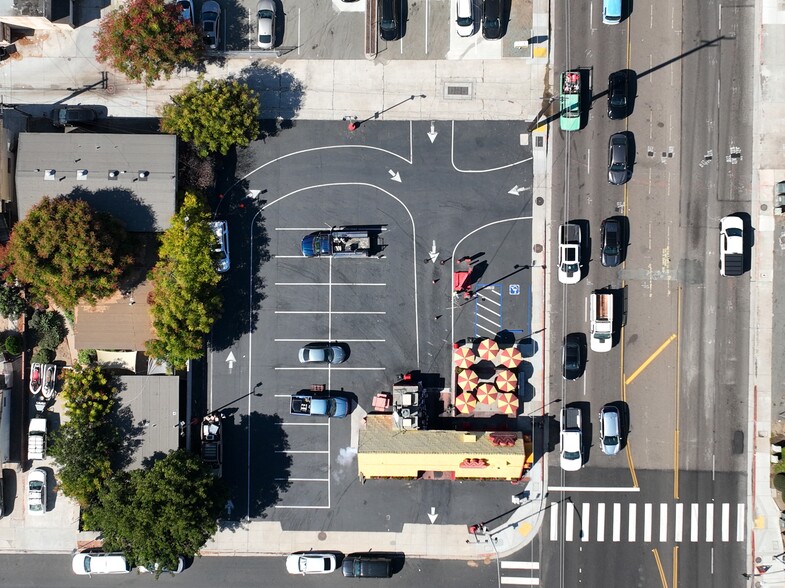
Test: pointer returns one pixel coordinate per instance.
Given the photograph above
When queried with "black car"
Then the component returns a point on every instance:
(492, 19)
(572, 357)
(70, 115)
(388, 19)
(618, 89)
(619, 166)
(366, 566)
(611, 242)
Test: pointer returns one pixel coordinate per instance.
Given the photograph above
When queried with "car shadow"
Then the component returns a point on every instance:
(624, 425)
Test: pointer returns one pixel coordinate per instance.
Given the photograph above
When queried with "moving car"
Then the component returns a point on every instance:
(618, 87)
(325, 352)
(611, 242)
(731, 246)
(569, 253)
(492, 19)
(70, 115)
(265, 24)
(185, 10)
(571, 440)
(619, 168)
(464, 18)
(87, 564)
(310, 563)
(221, 250)
(388, 19)
(611, 12)
(211, 24)
(572, 357)
(610, 430)
(367, 566)
(36, 492)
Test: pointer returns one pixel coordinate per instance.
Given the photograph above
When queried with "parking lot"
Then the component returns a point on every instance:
(394, 310)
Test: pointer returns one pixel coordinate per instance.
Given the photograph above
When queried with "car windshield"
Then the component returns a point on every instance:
(465, 21)
(618, 166)
(734, 233)
(208, 22)
(571, 454)
(388, 25)
(264, 38)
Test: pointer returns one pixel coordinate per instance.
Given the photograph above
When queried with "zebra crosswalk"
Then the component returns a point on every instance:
(665, 522)
(520, 573)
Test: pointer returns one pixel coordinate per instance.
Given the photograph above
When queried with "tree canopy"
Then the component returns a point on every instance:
(85, 443)
(145, 39)
(185, 300)
(65, 251)
(213, 115)
(157, 514)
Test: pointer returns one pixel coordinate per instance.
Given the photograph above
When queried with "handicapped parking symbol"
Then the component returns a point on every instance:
(515, 289)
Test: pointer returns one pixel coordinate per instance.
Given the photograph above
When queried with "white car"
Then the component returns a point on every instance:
(36, 492)
(211, 24)
(221, 250)
(464, 21)
(310, 563)
(731, 246)
(265, 24)
(87, 564)
(569, 254)
(153, 568)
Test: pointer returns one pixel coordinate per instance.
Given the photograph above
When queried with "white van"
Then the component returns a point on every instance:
(464, 17)
(87, 564)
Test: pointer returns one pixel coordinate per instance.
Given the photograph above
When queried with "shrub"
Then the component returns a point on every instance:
(43, 355)
(779, 482)
(12, 305)
(49, 327)
(86, 357)
(13, 344)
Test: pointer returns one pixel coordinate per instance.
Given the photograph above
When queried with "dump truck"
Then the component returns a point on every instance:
(569, 253)
(212, 441)
(571, 439)
(36, 438)
(601, 321)
(338, 242)
(309, 405)
(570, 101)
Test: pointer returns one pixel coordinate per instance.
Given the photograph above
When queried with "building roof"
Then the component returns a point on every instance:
(148, 413)
(131, 177)
(119, 322)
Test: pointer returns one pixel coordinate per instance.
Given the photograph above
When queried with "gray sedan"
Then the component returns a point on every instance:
(265, 24)
(332, 353)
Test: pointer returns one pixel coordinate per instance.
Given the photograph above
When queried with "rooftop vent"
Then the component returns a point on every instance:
(112, 174)
(81, 175)
(50, 174)
(143, 174)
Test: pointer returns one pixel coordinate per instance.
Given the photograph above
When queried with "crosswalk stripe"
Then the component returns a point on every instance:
(601, 521)
(616, 522)
(569, 516)
(710, 522)
(725, 521)
(647, 522)
(585, 517)
(554, 521)
(521, 565)
(520, 581)
(663, 522)
(694, 516)
(633, 522)
(740, 522)
(678, 528)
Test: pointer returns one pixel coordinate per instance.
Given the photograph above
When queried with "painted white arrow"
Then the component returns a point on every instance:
(516, 191)
(230, 360)
(394, 176)
(432, 515)
(432, 134)
(254, 193)
(433, 253)
(229, 506)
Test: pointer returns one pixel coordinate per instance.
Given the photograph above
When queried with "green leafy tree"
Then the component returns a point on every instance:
(213, 115)
(65, 251)
(84, 445)
(12, 305)
(49, 327)
(145, 39)
(185, 300)
(158, 514)
(13, 345)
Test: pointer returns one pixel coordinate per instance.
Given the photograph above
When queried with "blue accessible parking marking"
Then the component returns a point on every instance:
(515, 289)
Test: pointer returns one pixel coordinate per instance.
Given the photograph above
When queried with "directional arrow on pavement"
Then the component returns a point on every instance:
(433, 253)
(516, 191)
(254, 193)
(394, 176)
(230, 360)
(432, 134)
(432, 515)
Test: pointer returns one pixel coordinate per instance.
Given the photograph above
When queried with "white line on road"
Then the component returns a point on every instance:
(333, 368)
(569, 516)
(303, 451)
(663, 522)
(592, 489)
(287, 506)
(303, 479)
(647, 522)
(694, 516)
(328, 284)
(330, 312)
(678, 526)
(740, 513)
(585, 516)
(520, 581)
(476, 171)
(487, 329)
(709, 522)
(554, 521)
(342, 340)
(616, 522)
(631, 532)
(588, 161)
(601, 521)
(520, 565)
(725, 521)
(296, 424)
(291, 257)
(299, 20)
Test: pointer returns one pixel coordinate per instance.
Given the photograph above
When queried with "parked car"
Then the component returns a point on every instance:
(610, 430)
(731, 246)
(464, 12)
(611, 242)
(611, 12)
(36, 492)
(70, 115)
(367, 566)
(211, 24)
(265, 24)
(388, 19)
(310, 563)
(87, 564)
(572, 357)
(155, 567)
(619, 166)
(331, 353)
(492, 19)
(618, 88)
(221, 249)
(185, 10)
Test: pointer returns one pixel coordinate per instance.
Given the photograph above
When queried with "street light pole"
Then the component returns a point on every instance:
(354, 125)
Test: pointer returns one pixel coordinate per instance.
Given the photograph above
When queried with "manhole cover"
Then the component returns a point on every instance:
(322, 535)
(540, 201)
(538, 248)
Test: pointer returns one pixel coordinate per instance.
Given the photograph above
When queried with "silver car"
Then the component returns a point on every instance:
(36, 492)
(610, 430)
(211, 24)
(332, 353)
(265, 24)
(221, 249)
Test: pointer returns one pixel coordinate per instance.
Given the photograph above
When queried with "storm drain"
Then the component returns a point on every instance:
(458, 91)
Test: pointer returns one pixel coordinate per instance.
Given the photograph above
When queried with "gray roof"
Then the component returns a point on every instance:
(132, 177)
(148, 412)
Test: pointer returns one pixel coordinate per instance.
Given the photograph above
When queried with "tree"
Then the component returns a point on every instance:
(84, 445)
(158, 514)
(66, 251)
(145, 39)
(185, 299)
(12, 305)
(49, 327)
(213, 115)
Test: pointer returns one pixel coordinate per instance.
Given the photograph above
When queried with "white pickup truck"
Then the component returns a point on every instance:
(601, 321)
(571, 439)
(569, 253)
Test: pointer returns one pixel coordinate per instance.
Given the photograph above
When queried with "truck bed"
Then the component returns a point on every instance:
(354, 243)
(571, 419)
(300, 405)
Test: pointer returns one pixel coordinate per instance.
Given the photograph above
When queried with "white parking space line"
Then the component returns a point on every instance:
(585, 515)
(740, 512)
(492, 332)
(302, 507)
(333, 368)
(304, 479)
(694, 515)
(663, 522)
(487, 299)
(647, 522)
(520, 581)
(302, 451)
(616, 522)
(725, 521)
(294, 424)
(569, 519)
(631, 531)
(554, 521)
(710, 522)
(601, 521)
(330, 312)
(520, 565)
(343, 340)
(289, 257)
(678, 527)
(489, 310)
(334, 284)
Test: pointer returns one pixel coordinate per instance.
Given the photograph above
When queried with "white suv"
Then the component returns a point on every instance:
(87, 564)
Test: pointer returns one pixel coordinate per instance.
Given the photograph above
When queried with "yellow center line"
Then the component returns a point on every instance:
(632, 465)
(675, 576)
(650, 359)
(659, 567)
(677, 402)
